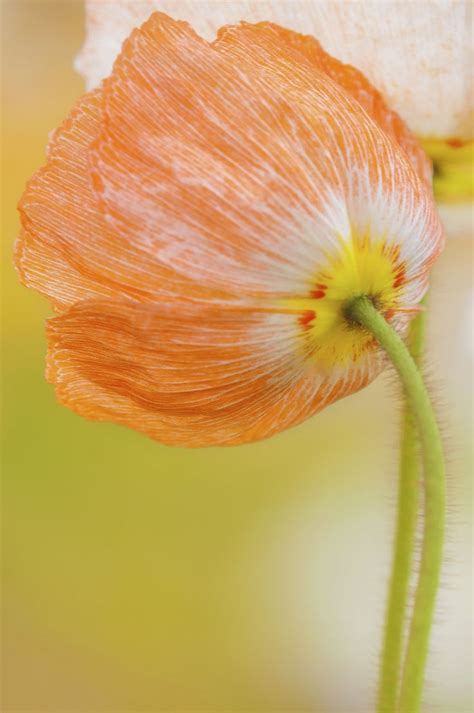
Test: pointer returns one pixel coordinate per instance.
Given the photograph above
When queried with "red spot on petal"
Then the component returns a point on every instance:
(456, 143)
(317, 294)
(307, 318)
(399, 278)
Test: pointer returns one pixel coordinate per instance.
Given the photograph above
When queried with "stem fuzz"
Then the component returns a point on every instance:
(361, 310)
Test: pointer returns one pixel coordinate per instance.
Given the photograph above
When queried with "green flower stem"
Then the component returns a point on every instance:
(362, 311)
(404, 543)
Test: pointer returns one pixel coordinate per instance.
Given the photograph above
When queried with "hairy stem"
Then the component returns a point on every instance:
(362, 311)
(404, 542)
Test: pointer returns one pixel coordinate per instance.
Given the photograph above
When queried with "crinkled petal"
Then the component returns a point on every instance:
(417, 54)
(244, 175)
(191, 375)
(268, 37)
(66, 250)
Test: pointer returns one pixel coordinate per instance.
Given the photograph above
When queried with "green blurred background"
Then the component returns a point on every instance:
(138, 577)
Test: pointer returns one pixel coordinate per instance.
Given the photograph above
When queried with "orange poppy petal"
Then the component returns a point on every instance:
(246, 41)
(406, 217)
(242, 175)
(189, 375)
(66, 250)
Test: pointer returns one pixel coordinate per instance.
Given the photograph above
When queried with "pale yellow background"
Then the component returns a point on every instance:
(141, 578)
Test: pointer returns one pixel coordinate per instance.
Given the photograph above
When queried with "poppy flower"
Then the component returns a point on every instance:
(201, 221)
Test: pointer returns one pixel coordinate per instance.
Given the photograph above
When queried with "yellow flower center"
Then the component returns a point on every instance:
(360, 267)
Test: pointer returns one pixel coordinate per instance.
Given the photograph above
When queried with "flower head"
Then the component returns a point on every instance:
(203, 218)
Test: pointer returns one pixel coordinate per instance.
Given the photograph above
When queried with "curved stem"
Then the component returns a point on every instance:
(404, 542)
(361, 310)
